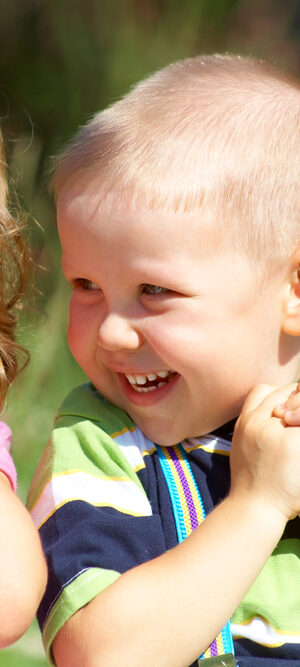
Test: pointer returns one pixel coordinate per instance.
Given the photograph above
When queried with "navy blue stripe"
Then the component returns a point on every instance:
(80, 536)
(254, 655)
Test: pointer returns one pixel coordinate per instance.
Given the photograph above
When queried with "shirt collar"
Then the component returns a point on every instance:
(226, 430)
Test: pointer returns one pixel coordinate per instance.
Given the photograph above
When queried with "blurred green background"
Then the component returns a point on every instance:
(60, 62)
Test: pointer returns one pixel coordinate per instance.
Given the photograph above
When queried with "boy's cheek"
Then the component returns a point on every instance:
(77, 337)
(74, 345)
(169, 336)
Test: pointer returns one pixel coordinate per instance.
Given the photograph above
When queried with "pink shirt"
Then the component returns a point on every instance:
(6, 462)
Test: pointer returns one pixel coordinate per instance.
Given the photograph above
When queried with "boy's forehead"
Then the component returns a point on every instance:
(75, 198)
(97, 222)
(92, 206)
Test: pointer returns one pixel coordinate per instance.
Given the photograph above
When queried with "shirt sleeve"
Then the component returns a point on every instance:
(92, 512)
(7, 465)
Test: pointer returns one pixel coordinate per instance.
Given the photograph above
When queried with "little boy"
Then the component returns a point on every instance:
(178, 214)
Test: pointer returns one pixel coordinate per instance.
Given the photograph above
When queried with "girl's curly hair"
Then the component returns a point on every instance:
(14, 264)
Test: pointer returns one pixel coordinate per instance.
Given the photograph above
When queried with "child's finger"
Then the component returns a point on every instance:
(292, 404)
(292, 417)
(256, 396)
(266, 397)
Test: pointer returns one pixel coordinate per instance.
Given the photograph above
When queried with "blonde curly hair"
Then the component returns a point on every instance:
(13, 274)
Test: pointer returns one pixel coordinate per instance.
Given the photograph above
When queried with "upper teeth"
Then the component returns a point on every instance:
(142, 379)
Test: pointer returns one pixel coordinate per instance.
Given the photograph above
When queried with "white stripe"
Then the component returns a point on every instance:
(209, 443)
(125, 496)
(261, 632)
(133, 444)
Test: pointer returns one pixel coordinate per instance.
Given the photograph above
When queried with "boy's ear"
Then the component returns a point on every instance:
(291, 306)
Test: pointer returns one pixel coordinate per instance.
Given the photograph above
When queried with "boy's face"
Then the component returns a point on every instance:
(167, 325)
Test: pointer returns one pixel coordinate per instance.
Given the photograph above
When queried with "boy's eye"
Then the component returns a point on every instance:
(154, 289)
(84, 284)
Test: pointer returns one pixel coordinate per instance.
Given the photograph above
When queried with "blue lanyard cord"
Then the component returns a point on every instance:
(189, 511)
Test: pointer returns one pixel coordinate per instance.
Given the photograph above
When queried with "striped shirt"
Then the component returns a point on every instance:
(101, 503)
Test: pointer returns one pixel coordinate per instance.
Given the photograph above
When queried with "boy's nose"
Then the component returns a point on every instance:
(117, 333)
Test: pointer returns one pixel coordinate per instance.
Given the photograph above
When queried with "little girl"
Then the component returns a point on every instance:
(22, 566)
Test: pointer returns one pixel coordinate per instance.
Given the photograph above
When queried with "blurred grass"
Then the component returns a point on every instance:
(27, 652)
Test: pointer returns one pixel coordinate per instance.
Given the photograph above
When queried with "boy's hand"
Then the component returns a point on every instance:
(289, 411)
(265, 457)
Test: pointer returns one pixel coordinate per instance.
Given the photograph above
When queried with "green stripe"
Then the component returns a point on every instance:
(275, 593)
(84, 401)
(84, 439)
(77, 594)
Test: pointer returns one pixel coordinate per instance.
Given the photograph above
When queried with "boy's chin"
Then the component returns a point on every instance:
(159, 436)
(165, 436)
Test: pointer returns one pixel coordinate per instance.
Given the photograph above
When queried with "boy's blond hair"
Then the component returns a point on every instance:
(216, 133)
(13, 273)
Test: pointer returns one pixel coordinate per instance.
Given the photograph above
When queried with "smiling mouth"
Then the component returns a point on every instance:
(143, 384)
